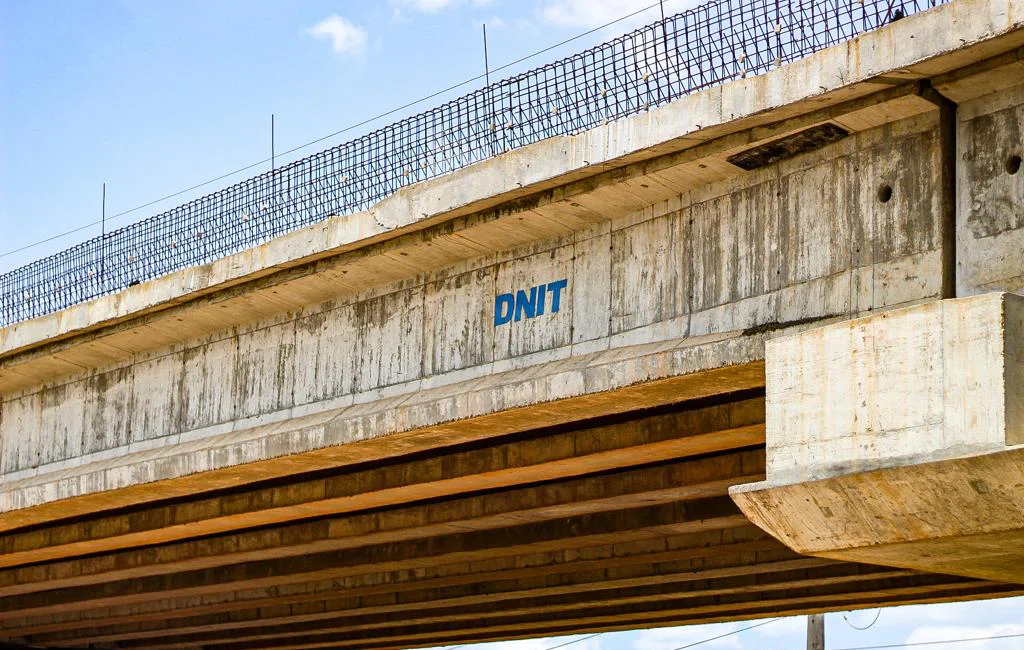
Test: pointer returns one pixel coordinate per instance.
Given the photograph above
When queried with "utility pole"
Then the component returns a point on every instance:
(816, 632)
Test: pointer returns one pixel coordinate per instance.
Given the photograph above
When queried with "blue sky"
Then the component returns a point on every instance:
(155, 96)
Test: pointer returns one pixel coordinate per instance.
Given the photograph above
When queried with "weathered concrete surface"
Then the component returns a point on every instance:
(991, 180)
(330, 440)
(898, 439)
(658, 279)
(348, 332)
(516, 400)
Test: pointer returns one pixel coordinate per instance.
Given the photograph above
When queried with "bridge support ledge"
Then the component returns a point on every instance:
(898, 439)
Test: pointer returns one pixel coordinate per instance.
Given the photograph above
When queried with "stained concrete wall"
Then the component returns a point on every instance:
(990, 236)
(909, 386)
(896, 439)
(805, 239)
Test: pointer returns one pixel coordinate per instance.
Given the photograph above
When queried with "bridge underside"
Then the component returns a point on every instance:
(615, 523)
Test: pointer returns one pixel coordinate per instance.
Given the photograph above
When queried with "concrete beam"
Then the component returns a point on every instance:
(679, 607)
(572, 532)
(421, 605)
(688, 480)
(415, 419)
(789, 575)
(898, 439)
(606, 560)
(543, 455)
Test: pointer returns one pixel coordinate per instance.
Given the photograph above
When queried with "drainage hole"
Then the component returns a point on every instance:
(885, 193)
(1013, 165)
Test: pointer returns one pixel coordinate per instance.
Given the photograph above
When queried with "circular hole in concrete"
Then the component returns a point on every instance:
(885, 193)
(1013, 164)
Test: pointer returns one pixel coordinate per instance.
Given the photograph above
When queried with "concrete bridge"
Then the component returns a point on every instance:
(758, 351)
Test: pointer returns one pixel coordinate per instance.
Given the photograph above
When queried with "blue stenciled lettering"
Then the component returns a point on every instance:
(526, 306)
(556, 293)
(503, 306)
(528, 303)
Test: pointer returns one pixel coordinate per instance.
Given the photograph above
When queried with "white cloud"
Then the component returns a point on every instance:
(591, 13)
(434, 6)
(424, 6)
(345, 37)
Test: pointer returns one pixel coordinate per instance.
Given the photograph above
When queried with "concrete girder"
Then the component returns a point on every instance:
(910, 596)
(677, 482)
(574, 532)
(616, 559)
(726, 583)
(635, 613)
(480, 597)
(543, 456)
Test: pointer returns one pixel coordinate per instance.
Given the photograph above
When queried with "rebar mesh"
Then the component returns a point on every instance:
(708, 45)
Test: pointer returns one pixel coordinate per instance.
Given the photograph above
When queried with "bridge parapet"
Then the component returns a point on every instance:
(715, 42)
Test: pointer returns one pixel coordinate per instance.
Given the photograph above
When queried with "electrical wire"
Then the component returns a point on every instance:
(580, 640)
(926, 643)
(334, 134)
(722, 636)
(869, 625)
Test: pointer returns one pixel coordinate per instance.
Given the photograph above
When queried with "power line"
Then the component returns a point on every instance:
(722, 636)
(336, 133)
(580, 640)
(924, 643)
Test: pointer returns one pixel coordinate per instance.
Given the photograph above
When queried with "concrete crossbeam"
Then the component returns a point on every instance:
(899, 439)
(558, 454)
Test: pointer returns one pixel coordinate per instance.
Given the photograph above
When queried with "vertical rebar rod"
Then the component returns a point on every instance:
(490, 94)
(103, 236)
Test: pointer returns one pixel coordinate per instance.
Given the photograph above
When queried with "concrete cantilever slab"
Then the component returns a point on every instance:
(897, 440)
